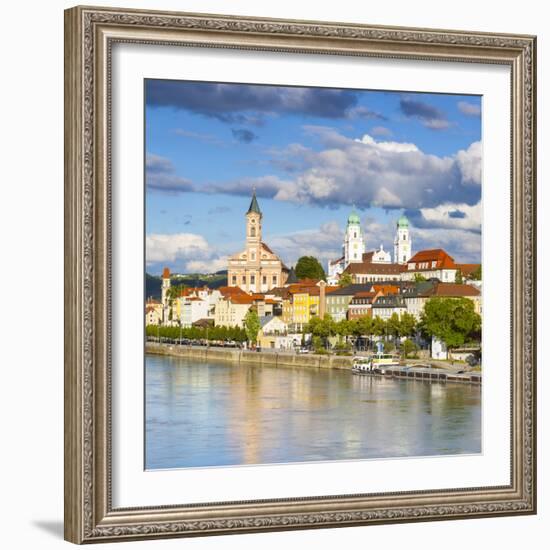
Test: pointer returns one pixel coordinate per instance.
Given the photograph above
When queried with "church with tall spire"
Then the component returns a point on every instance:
(257, 268)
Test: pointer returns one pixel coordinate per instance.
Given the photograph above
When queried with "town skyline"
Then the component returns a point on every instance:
(310, 153)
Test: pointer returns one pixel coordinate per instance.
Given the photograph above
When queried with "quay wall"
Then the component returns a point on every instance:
(248, 357)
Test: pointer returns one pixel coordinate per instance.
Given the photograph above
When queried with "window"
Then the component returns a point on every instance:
(274, 279)
(252, 280)
(244, 279)
(355, 234)
(404, 237)
(264, 280)
(404, 258)
(252, 231)
(234, 279)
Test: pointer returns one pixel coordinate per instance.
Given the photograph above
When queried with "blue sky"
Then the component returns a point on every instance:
(311, 154)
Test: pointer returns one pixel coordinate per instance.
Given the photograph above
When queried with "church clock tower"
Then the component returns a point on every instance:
(257, 268)
(253, 232)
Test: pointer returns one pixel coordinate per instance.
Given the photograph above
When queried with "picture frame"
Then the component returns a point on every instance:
(90, 34)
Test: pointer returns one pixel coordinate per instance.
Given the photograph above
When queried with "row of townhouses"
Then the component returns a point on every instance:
(286, 310)
(376, 286)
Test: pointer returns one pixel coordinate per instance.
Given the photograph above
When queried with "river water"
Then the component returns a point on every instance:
(216, 414)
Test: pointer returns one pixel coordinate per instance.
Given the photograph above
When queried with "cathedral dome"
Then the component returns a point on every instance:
(354, 218)
(403, 222)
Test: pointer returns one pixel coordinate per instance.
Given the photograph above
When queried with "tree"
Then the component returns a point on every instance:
(419, 278)
(451, 320)
(389, 347)
(252, 325)
(322, 328)
(308, 267)
(458, 277)
(174, 292)
(345, 280)
(408, 347)
(378, 326)
(344, 329)
(362, 327)
(393, 326)
(407, 324)
(476, 274)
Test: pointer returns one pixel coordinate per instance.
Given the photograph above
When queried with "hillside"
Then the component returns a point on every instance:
(153, 282)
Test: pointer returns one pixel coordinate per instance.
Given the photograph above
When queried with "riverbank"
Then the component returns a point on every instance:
(234, 355)
(422, 369)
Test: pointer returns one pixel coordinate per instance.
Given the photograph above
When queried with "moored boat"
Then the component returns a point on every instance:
(376, 364)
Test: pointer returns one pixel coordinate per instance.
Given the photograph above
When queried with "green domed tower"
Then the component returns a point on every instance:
(402, 243)
(354, 245)
(353, 218)
(403, 222)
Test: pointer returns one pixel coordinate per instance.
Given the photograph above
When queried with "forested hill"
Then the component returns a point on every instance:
(153, 282)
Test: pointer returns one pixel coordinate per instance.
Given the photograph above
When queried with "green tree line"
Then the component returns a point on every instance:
(225, 334)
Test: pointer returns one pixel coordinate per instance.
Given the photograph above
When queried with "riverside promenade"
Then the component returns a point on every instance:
(428, 370)
(273, 358)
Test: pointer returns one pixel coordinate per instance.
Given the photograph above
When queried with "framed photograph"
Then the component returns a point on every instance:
(300, 274)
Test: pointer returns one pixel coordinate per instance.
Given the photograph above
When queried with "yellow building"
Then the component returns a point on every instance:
(232, 308)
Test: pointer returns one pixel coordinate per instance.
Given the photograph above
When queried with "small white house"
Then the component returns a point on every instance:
(439, 349)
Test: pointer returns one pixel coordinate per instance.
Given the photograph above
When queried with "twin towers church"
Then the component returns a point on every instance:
(258, 269)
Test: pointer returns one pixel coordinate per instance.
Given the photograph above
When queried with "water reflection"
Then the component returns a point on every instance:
(212, 414)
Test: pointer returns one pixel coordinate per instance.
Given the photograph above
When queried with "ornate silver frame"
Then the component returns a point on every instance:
(89, 36)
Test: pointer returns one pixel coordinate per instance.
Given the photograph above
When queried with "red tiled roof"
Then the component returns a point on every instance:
(231, 290)
(307, 281)
(438, 255)
(240, 299)
(166, 273)
(368, 268)
(303, 289)
(364, 294)
(386, 289)
(367, 257)
(430, 255)
(452, 290)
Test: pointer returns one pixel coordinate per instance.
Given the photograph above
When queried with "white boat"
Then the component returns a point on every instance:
(376, 364)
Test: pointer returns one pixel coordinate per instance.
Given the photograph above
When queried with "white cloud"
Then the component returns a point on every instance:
(469, 162)
(175, 247)
(464, 246)
(367, 172)
(207, 266)
(469, 109)
(324, 243)
(390, 146)
(453, 215)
